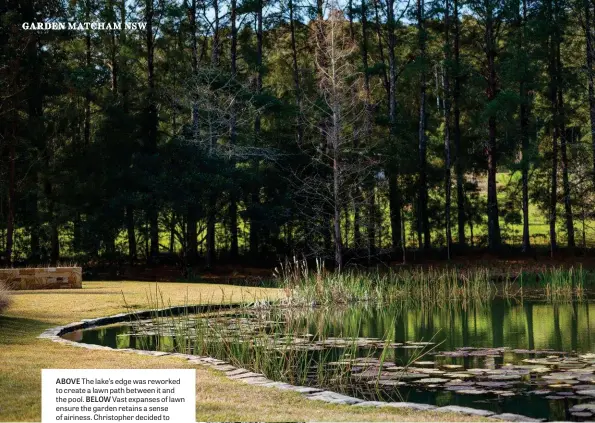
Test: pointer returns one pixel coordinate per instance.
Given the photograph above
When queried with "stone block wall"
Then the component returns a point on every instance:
(43, 278)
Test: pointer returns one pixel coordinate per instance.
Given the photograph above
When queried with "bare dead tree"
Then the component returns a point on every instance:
(326, 188)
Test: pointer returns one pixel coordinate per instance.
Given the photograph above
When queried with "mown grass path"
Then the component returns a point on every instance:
(22, 356)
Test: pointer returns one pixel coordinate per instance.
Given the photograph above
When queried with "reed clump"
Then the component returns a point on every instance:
(564, 284)
(425, 285)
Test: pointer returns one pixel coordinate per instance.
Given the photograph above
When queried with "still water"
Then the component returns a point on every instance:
(531, 358)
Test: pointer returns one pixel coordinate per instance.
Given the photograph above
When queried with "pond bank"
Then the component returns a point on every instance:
(219, 398)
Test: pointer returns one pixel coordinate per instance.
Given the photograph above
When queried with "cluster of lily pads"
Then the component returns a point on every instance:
(362, 364)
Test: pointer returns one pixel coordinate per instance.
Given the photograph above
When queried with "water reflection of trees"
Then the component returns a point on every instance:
(527, 325)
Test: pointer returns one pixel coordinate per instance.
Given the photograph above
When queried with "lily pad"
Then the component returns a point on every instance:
(423, 363)
(588, 392)
(505, 377)
(494, 384)
(458, 375)
(431, 380)
(541, 392)
(387, 382)
(472, 392)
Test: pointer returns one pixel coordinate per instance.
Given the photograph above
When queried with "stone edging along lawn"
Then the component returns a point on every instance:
(246, 376)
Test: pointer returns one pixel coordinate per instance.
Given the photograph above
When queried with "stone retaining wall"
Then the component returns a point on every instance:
(43, 278)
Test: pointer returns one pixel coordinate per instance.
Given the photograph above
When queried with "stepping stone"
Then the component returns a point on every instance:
(541, 392)
(305, 389)
(411, 405)
(256, 380)
(554, 397)
(510, 417)
(370, 404)
(245, 375)
(278, 385)
(225, 367)
(588, 392)
(464, 410)
(334, 398)
(237, 372)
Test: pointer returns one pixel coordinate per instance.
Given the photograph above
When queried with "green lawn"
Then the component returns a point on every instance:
(22, 356)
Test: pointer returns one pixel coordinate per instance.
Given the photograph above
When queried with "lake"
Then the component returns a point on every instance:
(526, 357)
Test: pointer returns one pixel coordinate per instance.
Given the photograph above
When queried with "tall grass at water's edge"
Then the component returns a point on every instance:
(4, 297)
(425, 285)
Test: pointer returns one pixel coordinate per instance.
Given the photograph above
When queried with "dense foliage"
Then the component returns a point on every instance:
(223, 128)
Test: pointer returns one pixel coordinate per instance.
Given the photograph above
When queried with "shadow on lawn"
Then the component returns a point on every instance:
(15, 330)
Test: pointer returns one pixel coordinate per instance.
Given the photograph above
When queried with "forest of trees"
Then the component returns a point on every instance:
(344, 129)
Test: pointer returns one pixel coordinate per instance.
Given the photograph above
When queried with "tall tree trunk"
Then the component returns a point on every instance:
(194, 41)
(131, 233)
(493, 219)
(393, 173)
(446, 70)
(51, 203)
(564, 155)
(215, 41)
(211, 210)
(337, 213)
(553, 89)
(191, 235)
(191, 225)
(124, 89)
(378, 27)
(11, 195)
(255, 198)
(350, 17)
(422, 140)
(589, 60)
(233, 202)
(456, 97)
(87, 124)
(524, 117)
(35, 126)
(394, 202)
(151, 131)
(296, 74)
(113, 50)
